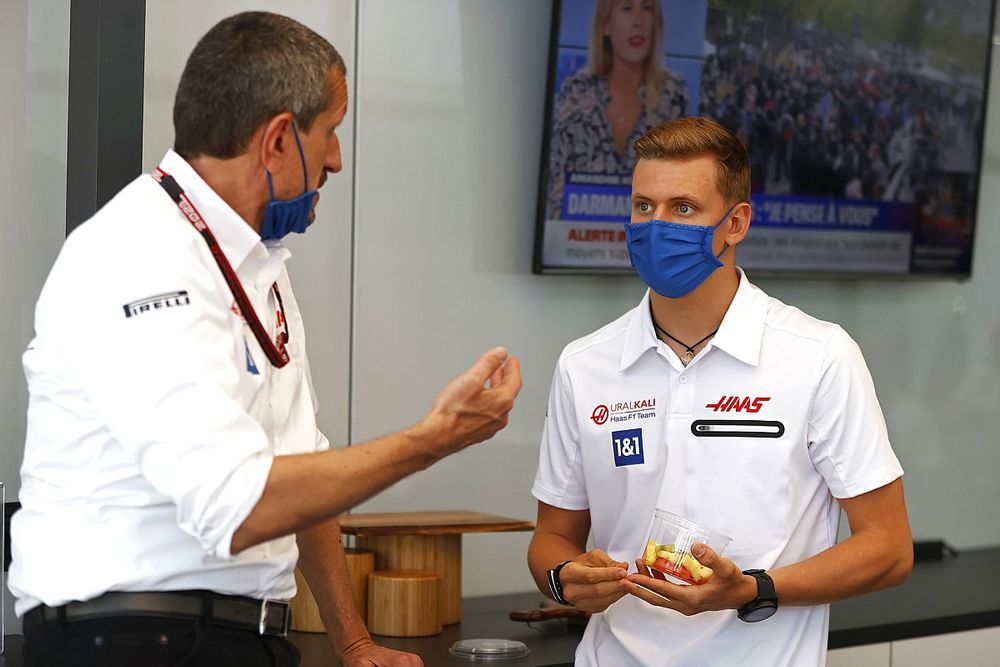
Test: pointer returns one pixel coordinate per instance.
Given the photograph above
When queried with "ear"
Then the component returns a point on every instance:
(276, 141)
(739, 223)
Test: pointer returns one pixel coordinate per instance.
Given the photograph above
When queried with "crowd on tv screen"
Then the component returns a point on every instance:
(827, 117)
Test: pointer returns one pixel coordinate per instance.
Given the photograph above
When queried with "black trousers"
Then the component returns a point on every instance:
(142, 641)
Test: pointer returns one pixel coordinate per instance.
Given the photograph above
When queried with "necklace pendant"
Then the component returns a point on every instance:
(688, 356)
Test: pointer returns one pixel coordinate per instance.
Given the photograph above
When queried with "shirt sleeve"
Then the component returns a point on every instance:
(848, 439)
(165, 380)
(559, 481)
(322, 442)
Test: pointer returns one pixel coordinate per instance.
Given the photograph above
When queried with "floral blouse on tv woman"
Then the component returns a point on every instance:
(581, 139)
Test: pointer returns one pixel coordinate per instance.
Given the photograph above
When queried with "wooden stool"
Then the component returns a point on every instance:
(440, 554)
(403, 603)
(305, 613)
(360, 563)
(426, 541)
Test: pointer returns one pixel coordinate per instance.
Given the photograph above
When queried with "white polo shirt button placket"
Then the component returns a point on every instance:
(774, 419)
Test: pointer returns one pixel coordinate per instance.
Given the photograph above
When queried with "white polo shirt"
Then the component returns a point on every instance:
(153, 415)
(774, 419)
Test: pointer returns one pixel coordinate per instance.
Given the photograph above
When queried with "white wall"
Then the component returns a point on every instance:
(34, 78)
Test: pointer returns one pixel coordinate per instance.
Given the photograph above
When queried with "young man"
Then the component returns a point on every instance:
(741, 413)
(173, 472)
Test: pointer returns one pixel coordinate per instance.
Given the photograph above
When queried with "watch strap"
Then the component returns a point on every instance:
(765, 586)
(764, 604)
(555, 585)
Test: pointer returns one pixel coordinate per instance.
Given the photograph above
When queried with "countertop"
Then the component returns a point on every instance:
(958, 593)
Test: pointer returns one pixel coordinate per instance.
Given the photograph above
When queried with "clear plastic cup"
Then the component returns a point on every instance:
(668, 549)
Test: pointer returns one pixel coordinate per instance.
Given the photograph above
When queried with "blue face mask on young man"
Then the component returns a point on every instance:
(283, 216)
(671, 257)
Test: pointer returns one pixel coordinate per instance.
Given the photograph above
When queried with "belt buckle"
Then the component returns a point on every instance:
(262, 622)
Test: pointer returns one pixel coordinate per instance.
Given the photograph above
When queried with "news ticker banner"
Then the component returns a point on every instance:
(787, 232)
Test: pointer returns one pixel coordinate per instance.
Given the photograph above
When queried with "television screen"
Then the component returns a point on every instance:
(863, 120)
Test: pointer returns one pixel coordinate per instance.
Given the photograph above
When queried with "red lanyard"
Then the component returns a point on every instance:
(276, 354)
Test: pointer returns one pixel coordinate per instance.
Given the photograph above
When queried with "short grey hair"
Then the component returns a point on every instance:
(247, 69)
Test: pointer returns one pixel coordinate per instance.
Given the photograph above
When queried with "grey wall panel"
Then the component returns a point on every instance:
(105, 96)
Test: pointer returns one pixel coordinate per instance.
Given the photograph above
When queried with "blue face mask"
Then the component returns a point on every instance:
(288, 215)
(673, 258)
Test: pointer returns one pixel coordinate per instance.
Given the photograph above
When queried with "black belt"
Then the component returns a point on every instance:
(265, 617)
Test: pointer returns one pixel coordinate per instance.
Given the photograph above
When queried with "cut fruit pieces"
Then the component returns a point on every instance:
(666, 559)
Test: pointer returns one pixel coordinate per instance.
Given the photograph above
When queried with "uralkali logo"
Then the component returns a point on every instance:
(618, 412)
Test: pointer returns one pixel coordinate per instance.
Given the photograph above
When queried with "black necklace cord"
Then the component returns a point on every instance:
(688, 348)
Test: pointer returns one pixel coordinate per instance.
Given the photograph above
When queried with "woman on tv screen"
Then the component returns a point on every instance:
(623, 91)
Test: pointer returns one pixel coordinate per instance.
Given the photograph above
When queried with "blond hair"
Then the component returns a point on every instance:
(653, 73)
(693, 136)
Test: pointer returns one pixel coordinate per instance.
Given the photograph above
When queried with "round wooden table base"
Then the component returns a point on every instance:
(403, 603)
(440, 554)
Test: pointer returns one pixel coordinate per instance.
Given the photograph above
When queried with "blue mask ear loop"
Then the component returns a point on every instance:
(724, 218)
(270, 186)
(302, 156)
(305, 172)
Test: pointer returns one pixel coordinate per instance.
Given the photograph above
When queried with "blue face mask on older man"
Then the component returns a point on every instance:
(671, 257)
(283, 216)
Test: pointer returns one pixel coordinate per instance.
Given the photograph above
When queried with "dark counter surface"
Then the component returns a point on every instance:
(958, 593)
(955, 594)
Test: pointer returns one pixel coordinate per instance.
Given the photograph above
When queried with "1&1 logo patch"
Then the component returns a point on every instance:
(627, 446)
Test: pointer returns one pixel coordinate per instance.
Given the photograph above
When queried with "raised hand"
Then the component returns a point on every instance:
(476, 404)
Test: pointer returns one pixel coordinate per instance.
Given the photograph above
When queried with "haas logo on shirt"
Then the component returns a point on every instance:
(739, 404)
(600, 414)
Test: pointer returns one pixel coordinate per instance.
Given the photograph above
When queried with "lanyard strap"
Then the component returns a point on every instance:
(276, 354)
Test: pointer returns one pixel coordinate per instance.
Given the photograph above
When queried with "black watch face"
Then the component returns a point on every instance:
(759, 613)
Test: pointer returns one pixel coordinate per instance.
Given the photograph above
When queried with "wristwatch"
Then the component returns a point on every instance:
(555, 586)
(765, 604)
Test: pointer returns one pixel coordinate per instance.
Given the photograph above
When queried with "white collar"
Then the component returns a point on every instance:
(739, 335)
(236, 237)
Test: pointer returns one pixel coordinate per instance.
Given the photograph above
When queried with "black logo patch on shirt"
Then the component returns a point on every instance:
(737, 428)
(157, 302)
